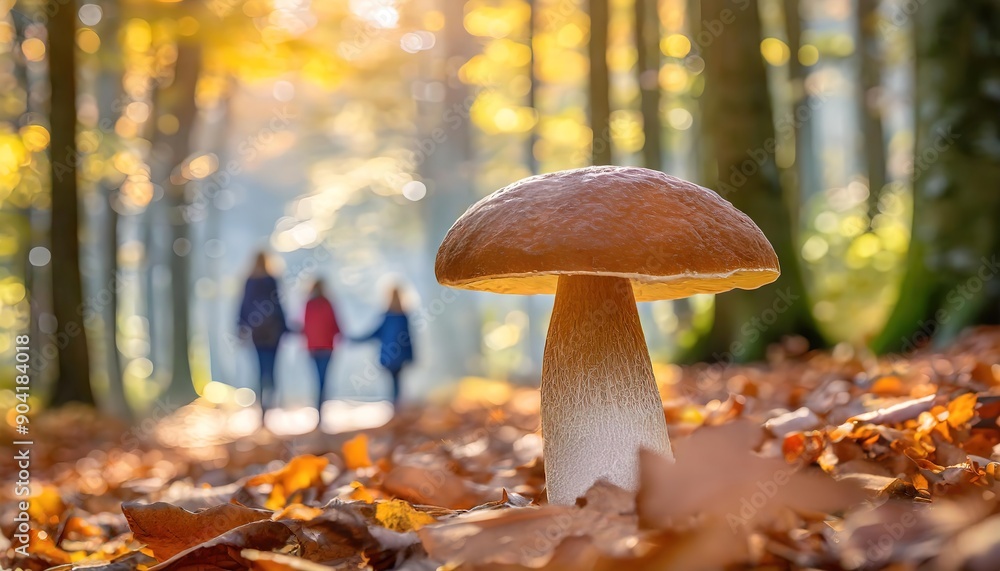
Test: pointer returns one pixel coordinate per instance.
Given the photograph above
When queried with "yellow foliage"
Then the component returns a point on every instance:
(400, 516)
(46, 507)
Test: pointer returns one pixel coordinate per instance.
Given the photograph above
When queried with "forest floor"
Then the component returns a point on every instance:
(823, 459)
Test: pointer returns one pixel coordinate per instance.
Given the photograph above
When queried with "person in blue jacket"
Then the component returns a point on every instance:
(262, 320)
(396, 344)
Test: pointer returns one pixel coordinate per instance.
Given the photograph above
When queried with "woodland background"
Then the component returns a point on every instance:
(148, 149)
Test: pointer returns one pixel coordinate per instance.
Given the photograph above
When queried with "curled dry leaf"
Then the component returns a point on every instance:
(270, 561)
(168, 530)
(224, 551)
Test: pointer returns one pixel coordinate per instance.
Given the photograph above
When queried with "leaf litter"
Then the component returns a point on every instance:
(812, 460)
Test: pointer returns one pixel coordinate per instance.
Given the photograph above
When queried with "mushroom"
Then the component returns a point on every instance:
(602, 238)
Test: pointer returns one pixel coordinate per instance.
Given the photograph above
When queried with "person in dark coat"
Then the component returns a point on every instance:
(319, 325)
(262, 319)
(396, 344)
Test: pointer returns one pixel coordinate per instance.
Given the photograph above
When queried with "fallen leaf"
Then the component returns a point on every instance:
(961, 410)
(300, 473)
(361, 493)
(355, 453)
(398, 515)
(225, 551)
(898, 412)
(168, 530)
(436, 487)
(717, 475)
(798, 420)
(270, 561)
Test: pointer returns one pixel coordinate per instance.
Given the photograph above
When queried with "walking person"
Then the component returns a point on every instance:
(321, 330)
(396, 344)
(262, 320)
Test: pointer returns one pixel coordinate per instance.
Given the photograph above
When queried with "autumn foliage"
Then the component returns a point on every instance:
(831, 460)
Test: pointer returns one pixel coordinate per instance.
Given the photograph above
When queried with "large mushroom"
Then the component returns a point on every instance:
(602, 238)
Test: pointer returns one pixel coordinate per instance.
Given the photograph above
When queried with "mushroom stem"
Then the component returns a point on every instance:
(600, 404)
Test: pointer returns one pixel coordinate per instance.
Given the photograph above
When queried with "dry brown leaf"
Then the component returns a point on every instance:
(168, 530)
(526, 536)
(436, 487)
(716, 475)
(879, 486)
(270, 561)
(224, 552)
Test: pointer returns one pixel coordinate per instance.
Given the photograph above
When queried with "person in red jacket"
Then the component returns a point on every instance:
(320, 328)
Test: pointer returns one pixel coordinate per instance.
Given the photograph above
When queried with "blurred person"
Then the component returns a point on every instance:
(262, 320)
(319, 325)
(396, 344)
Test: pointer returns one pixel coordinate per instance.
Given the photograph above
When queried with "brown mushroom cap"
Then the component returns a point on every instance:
(670, 237)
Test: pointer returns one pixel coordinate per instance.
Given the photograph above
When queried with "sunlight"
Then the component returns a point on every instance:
(378, 13)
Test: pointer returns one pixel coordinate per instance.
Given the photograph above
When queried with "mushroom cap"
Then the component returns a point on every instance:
(670, 237)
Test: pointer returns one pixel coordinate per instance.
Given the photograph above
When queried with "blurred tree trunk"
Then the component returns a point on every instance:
(73, 382)
(951, 275)
(534, 338)
(178, 99)
(801, 171)
(449, 169)
(599, 94)
(533, 87)
(738, 121)
(647, 68)
(869, 98)
(32, 224)
(109, 93)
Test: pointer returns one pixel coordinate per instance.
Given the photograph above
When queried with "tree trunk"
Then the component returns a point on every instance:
(534, 333)
(178, 99)
(600, 104)
(738, 121)
(109, 91)
(449, 170)
(647, 44)
(804, 166)
(951, 269)
(73, 383)
(868, 98)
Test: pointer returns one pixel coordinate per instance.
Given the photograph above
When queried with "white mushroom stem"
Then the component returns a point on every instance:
(600, 404)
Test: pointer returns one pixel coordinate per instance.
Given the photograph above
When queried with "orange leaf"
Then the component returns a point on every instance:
(355, 453)
(962, 410)
(301, 472)
(361, 493)
(46, 507)
(297, 511)
(888, 386)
